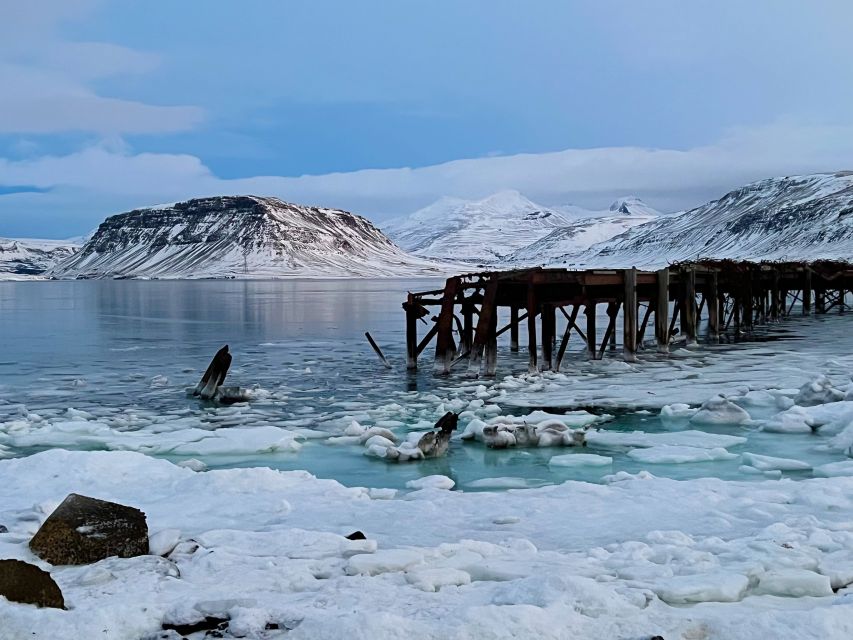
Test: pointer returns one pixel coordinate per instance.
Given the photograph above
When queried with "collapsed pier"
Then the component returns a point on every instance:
(730, 296)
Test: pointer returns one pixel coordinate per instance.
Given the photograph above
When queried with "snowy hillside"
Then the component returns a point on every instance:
(481, 231)
(791, 218)
(28, 258)
(240, 237)
(576, 236)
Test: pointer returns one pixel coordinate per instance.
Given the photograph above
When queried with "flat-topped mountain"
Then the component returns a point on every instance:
(239, 237)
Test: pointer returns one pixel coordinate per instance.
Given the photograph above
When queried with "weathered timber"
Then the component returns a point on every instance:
(564, 343)
(445, 349)
(513, 328)
(591, 344)
(485, 322)
(532, 365)
(688, 305)
(713, 298)
(662, 330)
(378, 351)
(549, 329)
(612, 314)
(411, 332)
(807, 292)
(491, 347)
(629, 322)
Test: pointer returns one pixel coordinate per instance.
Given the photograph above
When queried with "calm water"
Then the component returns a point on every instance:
(127, 351)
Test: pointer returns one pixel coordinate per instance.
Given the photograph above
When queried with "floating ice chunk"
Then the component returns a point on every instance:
(238, 440)
(678, 454)
(387, 561)
(580, 460)
(162, 542)
(719, 410)
(794, 420)
(818, 391)
(708, 587)
(838, 568)
(382, 494)
(377, 431)
(835, 469)
(692, 438)
(769, 463)
(378, 441)
(194, 464)
(796, 583)
(674, 414)
(435, 578)
(354, 429)
(499, 483)
(621, 476)
(159, 381)
(432, 482)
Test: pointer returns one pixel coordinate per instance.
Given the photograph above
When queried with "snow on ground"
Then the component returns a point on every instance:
(638, 557)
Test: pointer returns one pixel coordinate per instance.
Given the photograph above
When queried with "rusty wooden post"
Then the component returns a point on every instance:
(488, 315)
(713, 298)
(513, 328)
(591, 344)
(662, 310)
(491, 348)
(411, 333)
(688, 304)
(444, 347)
(629, 316)
(467, 338)
(774, 296)
(807, 292)
(531, 327)
(549, 329)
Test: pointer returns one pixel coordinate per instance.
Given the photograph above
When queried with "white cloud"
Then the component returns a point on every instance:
(102, 180)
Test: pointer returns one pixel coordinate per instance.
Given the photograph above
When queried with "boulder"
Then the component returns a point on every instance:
(83, 530)
(26, 583)
(3, 529)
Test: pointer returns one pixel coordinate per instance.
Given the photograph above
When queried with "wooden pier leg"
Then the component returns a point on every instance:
(491, 349)
(513, 328)
(488, 315)
(841, 295)
(688, 305)
(662, 311)
(467, 326)
(532, 366)
(411, 334)
(713, 298)
(774, 297)
(549, 330)
(444, 347)
(641, 334)
(629, 316)
(591, 344)
(564, 343)
(820, 300)
(747, 315)
(807, 292)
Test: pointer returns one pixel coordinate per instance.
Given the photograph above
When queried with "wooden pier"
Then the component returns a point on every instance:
(730, 296)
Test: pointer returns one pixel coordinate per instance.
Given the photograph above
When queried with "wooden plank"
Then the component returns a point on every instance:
(507, 327)
(662, 329)
(427, 338)
(612, 312)
(629, 316)
(572, 320)
(488, 315)
(774, 296)
(444, 347)
(412, 350)
(564, 343)
(641, 334)
(377, 350)
(513, 328)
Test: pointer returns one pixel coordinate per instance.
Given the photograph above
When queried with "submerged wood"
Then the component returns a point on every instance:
(377, 349)
(215, 374)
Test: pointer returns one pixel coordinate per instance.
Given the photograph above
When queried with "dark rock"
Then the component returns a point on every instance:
(3, 529)
(656, 638)
(83, 530)
(356, 535)
(26, 583)
(213, 625)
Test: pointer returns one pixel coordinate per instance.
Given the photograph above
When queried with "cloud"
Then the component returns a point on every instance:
(47, 79)
(90, 184)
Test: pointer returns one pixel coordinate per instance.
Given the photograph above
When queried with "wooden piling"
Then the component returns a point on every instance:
(564, 343)
(713, 298)
(484, 332)
(662, 310)
(591, 344)
(807, 292)
(549, 329)
(688, 305)
(531, 327)
(467, 338)
(490, 361)
(629, 317)
(513, 328)
(774, 296)
(377, 349)
(411, 334)
(444, 347)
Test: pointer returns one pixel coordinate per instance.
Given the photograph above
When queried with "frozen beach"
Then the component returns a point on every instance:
(712, 498)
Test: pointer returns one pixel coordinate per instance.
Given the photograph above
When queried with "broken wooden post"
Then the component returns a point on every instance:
(688, 304)
(491, 347)
(564, 343)
(467, 338)
(411, 333)
(591, 344)
(377, 350)
(807, 292)
(713, 298)
(513, 328)
(215, 374)
(531, 327)
(629, 316)
(549, 330)
(484, 332)
(444, 347)
(662, 310)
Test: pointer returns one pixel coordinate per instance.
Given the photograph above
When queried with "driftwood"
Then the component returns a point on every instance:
(377, 350)
(215, 375)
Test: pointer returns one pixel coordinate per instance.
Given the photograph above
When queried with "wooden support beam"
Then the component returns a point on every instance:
(591, 344)
(688, 304)
(412, 350)
(532, 311)
(713, 298)
(508, 326)
(565, 341)
(513, 328)
(467, 338)
(427, 338)
(629, 316)
(662, 329)
(641, 334)
(549, 330)
(572, 320)
(377, 350)
(807, 292)
(774, 296)
(444, 347)
(612, 313)
(491, 348)
(488, 316)
(820, 301)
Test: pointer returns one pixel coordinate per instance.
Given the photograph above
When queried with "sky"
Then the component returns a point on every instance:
(383, 107)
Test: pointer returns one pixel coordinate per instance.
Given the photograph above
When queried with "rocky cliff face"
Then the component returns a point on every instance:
(239, 236)
(31, 258)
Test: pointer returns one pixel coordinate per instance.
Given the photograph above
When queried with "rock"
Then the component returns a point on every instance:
(356, 535)
(83, 530)
(26, 583)
(3, 529)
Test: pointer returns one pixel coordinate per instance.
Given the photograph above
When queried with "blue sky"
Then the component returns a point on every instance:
(382, 107)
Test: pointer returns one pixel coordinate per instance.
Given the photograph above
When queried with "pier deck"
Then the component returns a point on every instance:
(729, 295)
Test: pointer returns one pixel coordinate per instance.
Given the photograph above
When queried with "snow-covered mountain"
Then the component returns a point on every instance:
(476, 231)
(792, 218)
(569, 241)
(240, 237)
(28, 258)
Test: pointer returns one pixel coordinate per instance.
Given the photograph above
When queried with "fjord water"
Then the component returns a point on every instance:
(132, 348)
